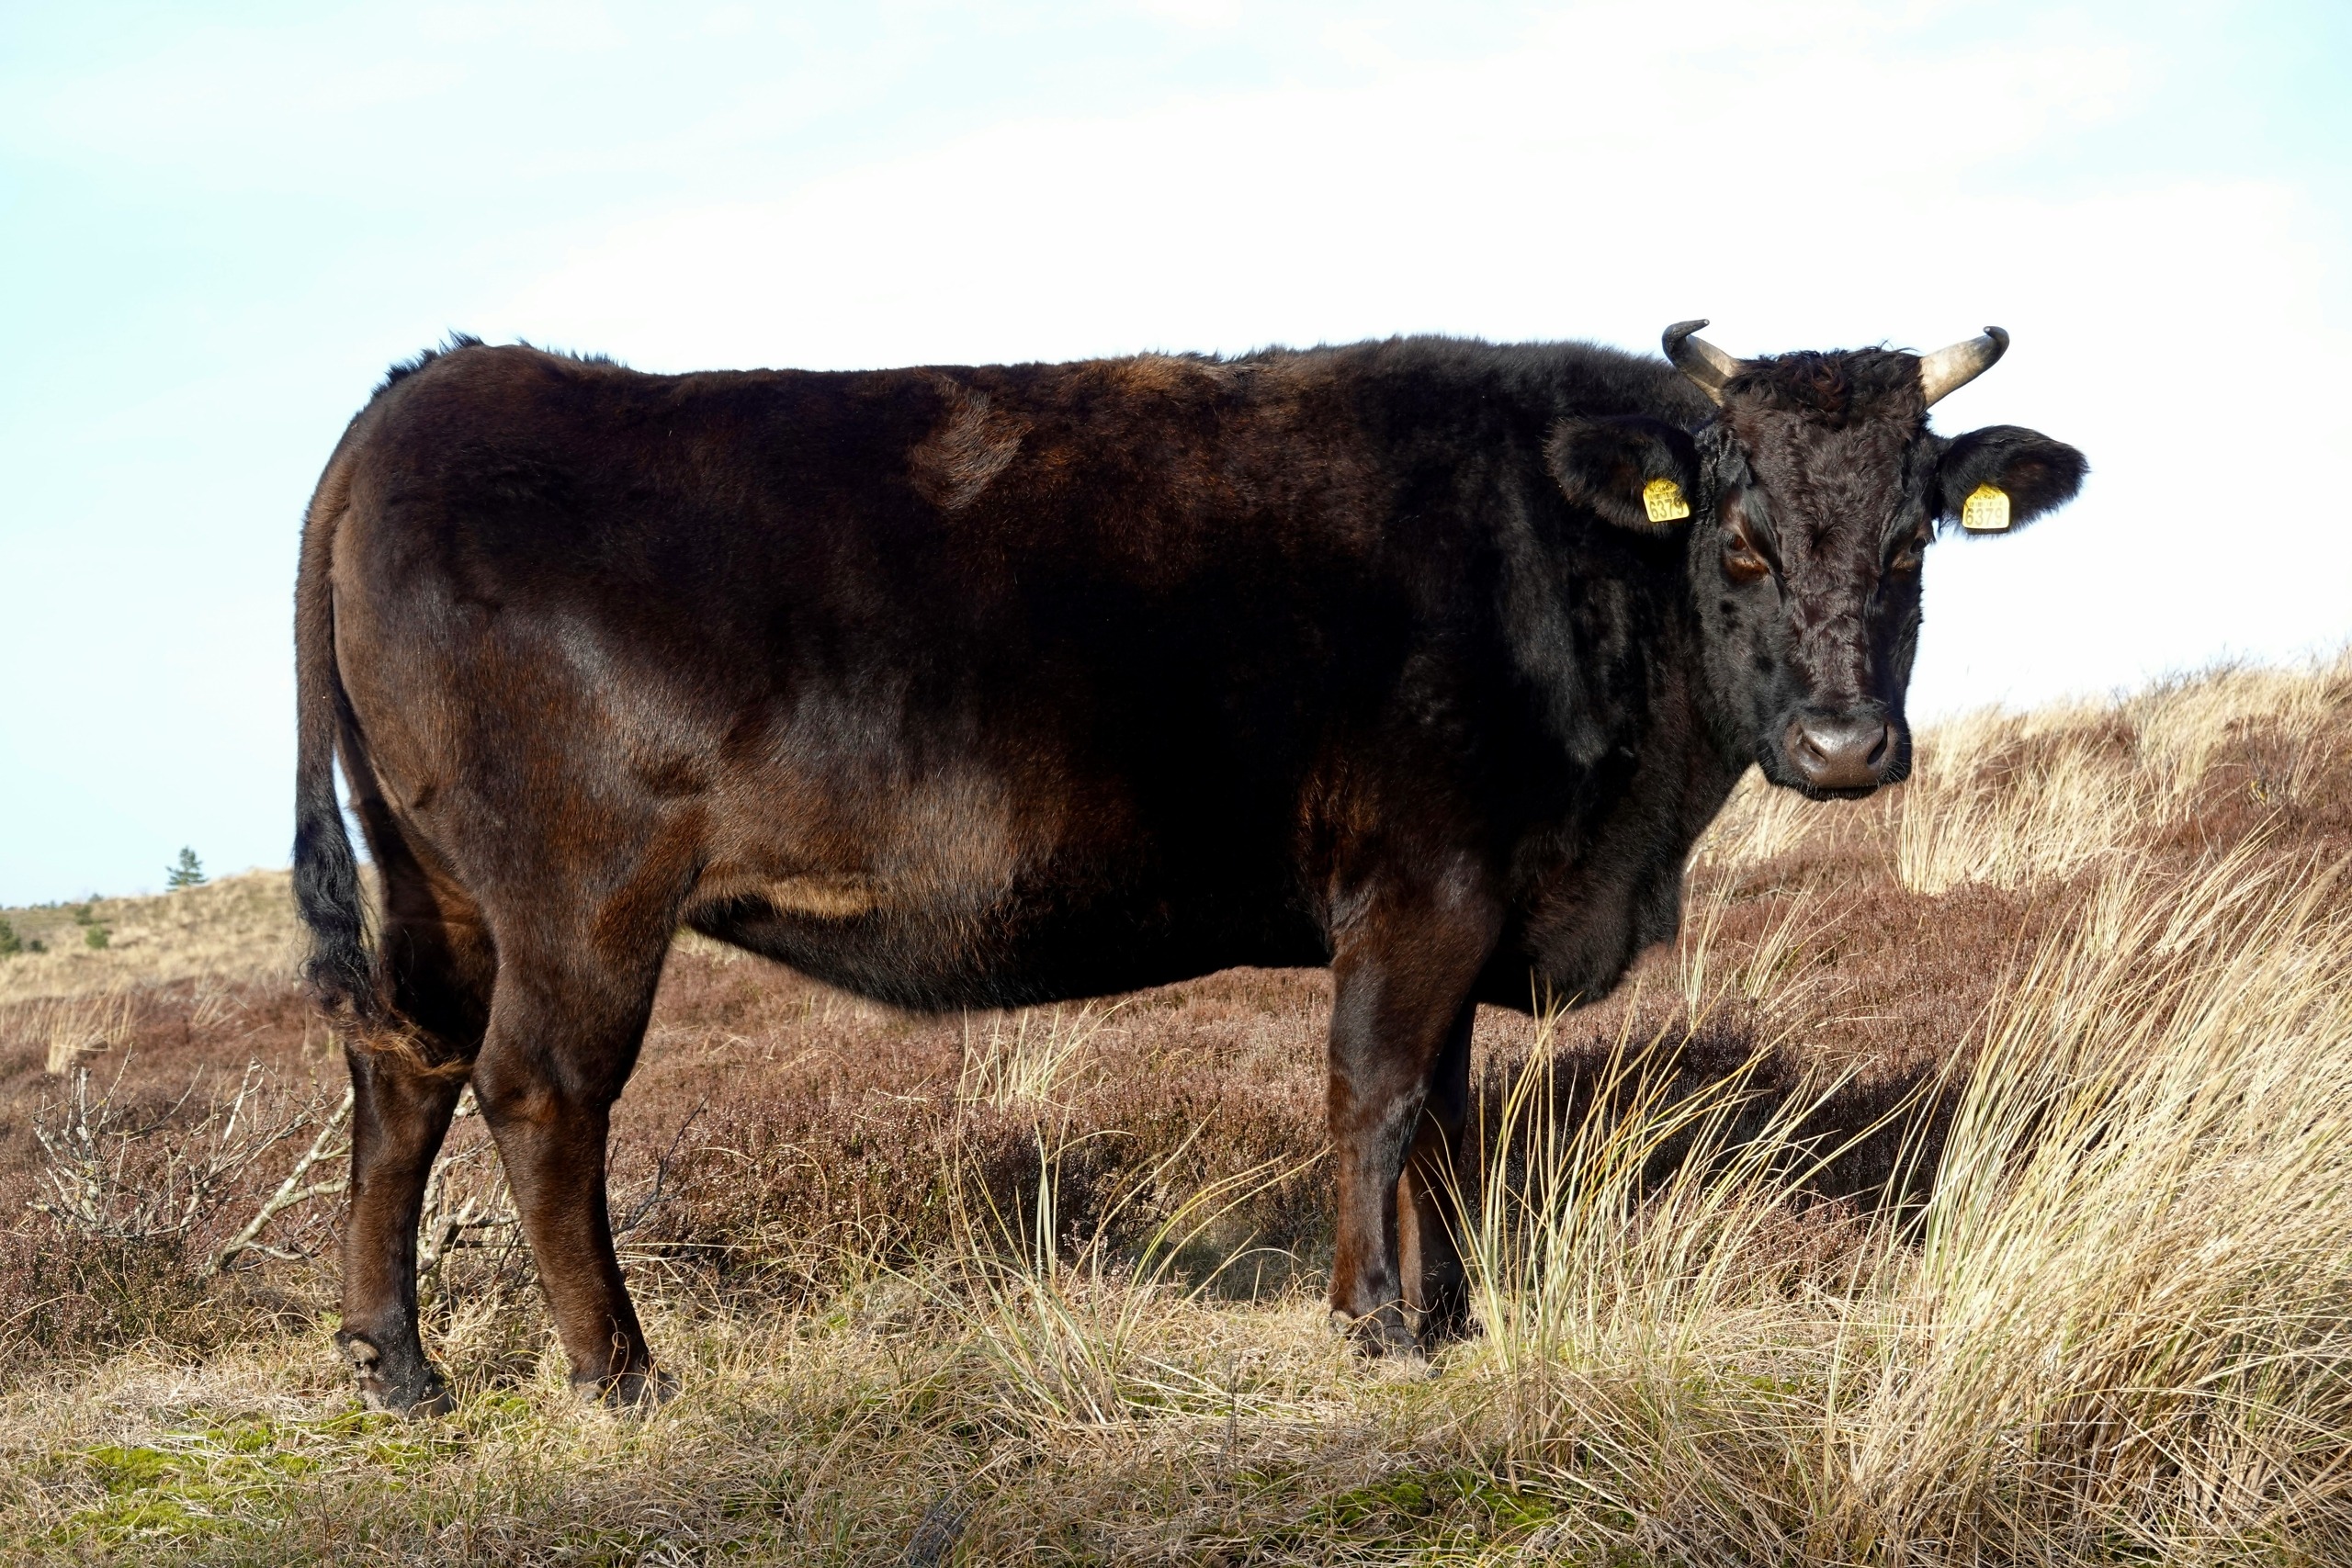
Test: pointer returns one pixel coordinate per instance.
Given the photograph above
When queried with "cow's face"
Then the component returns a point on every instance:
(1811, 496)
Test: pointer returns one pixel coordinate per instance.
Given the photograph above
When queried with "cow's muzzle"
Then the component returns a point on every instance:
(1842, 753)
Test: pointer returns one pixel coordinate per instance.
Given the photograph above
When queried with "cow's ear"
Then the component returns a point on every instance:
(2025, 472)
(1638, 473)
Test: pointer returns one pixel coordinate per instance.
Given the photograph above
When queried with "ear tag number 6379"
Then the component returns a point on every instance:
(1987, 511)
(1662, 500)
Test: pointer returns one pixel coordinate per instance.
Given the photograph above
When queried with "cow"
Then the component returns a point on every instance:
(1425, 660)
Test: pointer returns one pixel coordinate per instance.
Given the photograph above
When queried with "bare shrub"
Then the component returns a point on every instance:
(123, 1173)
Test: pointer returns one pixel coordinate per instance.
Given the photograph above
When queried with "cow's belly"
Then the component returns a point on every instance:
(1040, 944)
(1021, 880)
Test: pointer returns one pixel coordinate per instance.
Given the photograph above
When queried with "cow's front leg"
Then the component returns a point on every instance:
(1429, 1194)
(1400, 1021)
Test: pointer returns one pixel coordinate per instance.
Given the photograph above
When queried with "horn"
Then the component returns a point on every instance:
(1948, 369)
(1699, 359)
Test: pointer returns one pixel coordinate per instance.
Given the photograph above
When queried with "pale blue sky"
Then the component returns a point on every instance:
(216, 227)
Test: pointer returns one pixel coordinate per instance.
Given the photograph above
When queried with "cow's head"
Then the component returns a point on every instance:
(1810, 497)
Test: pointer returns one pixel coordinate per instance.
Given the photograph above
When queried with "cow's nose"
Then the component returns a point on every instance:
(1840, 752)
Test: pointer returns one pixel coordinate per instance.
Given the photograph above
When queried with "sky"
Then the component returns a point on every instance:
(219, 225)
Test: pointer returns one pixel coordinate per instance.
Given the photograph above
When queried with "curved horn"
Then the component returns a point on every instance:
(1948, 369)
(1699, 359)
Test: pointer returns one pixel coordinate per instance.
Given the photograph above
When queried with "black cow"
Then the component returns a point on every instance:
(1423, 659)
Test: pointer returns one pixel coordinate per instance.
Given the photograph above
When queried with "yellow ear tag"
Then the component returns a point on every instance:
(1664, 499)
(1987, 511)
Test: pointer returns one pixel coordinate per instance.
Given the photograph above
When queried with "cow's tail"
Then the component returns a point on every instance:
(339, 974)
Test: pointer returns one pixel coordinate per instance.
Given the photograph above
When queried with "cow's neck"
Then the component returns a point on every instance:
(1605, 880)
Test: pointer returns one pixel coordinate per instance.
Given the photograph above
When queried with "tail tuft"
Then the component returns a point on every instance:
(339, 974)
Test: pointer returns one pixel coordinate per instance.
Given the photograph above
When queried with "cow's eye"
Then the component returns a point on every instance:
(1743, 562)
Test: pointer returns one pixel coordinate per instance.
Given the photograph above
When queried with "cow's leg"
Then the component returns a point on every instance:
(1400, 1007)
(438, 970)
(1429, 1195)
(397, 1118)
(563, 1035)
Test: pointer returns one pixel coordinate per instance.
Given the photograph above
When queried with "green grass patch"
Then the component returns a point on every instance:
(221, 1480)
(209, 1481)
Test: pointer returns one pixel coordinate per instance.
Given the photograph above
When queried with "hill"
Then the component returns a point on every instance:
(1972, 1181)
(241, 928)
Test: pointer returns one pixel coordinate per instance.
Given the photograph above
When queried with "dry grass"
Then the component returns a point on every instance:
(2116, 1330)
(1045, 1286)
(2005, 801)
(235, 929)
(1023, 1058)
(2016, 799)
(69, 1028)
(1757, 825)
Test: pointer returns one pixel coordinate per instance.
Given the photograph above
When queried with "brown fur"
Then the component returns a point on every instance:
(972, 446)
(1013, 685)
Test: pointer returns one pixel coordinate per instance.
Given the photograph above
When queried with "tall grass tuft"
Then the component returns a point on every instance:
(2126, 1318)
(1759, 824)
(1638, 1347)
(1025, 1058)
(70, 1028)
(1075, 1327)
(2048, 806)
(2119, 1327)
(2187, 729)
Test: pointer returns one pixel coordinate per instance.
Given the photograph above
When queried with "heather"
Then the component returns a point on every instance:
(1970, 1183)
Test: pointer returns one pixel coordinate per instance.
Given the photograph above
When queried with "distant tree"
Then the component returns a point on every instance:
(11, 944)
(97, 936)
(187, 873)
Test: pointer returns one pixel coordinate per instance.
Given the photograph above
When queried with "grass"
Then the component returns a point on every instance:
(1972, 1183)
(2115, 1330)
(77, 1026)
(1022, 1059)
(234, 928)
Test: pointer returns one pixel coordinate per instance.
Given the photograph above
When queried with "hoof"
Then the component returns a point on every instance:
(1453, 1329)
(641, 1390)
(396, 1385)
(1383, 1332)
(1447, 1321)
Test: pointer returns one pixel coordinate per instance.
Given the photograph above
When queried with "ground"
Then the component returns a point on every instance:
(1968, 1183)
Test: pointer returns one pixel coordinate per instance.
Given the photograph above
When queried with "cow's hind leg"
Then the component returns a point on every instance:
(564, 1034)
(437, 970)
